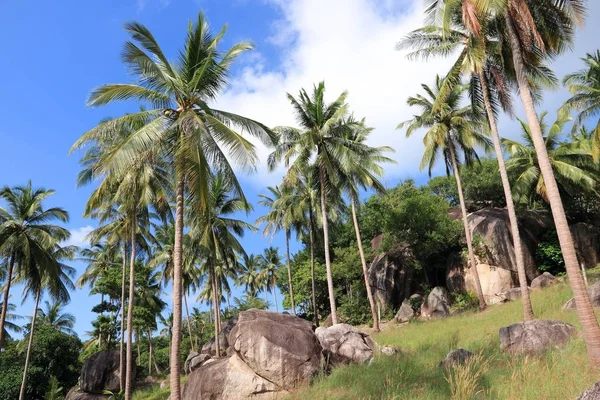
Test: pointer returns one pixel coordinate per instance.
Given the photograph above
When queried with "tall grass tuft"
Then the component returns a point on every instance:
(465, 379)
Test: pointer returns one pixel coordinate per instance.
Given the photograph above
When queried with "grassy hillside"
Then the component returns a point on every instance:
(414, 374)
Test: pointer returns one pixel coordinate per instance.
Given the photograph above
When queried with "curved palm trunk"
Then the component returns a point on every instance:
(510, 205)
(326, 245)
(9, 275)
(311, 235)
(189, 324)
(275, 299)
(364, 265)
(289, 268)
(29, 345)
(130, 305)
(463, 209)
(585, 312)
(175, 362)
(122, 338)
(216, 311)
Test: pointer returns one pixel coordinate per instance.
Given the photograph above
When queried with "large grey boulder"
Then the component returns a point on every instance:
(534, 336)
(543, 281)
(210, 347)
(586, 238)
(436, 304)
(228, 378)
(591, 393)
(512, 294)
(405, 312)
(280, 348)
(344, 344)
(76, 394)
(194, 360)
(456, 357)
(593, 293)
(390, 275)
(100, 372)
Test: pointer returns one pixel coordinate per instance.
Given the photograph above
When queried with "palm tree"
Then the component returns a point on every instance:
(280, 216)
(321, 138)
(54, 316)
(573, 167)
(270, 262)
(584, 86)
(181, 126)
(362, 172)
(251, 278)
(451, 129)
(9, 325)
(26, 232)
(46, 273)
(489, 87)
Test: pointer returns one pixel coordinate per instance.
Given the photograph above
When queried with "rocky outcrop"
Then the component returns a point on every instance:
(436, 304)
(269, 355)
(210, 347)
(591, 393)
(534, 336)
(587, 243)
(193, 361)
(405, 312)
(593, 292)
(77, 394)
(344, 344)
(100, 372)
(494, 280)
(390, 276)
(456, 357)
(542, 281)
(512, 294)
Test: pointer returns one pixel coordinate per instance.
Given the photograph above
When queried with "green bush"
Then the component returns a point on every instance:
(548, 255)
(464, 301)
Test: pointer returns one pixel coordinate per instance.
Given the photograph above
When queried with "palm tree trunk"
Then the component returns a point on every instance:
(289, 268)
(9, 274)
(228, 302)
(175, 361)
(311, 235)
(189, 324)
(149, 352)
(122, 364)
(216, 311)
(130, 305)
(30, 344)
(326, 246)
(463, 209)
(275, 298)
(364, 265)
(585, 312)
(139, 351)
(510, 204)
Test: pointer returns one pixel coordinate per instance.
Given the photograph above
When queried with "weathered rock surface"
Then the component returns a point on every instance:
(456, 357)
(534, 336)
(228, 378)
(280, 348)
(512, 294)
(592, 393)
(436, 304)
(390, 275)
(405, 313)
(210, 347)
(193, 361)
(344, 344)
(100, 372)
(587, 243)
(76, 394)
(593, 292)
(389, 350)
(542, 281)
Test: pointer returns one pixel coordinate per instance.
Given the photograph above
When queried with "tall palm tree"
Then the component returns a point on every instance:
(26, 232)
(251, 278)
(321, 140)
(182, 126)
(362, 172)
(279, 216)
(584, 86)
(270, 262)
(46, 273)
(451, 130)
(489, 87)
(54, 316)
(573, 166)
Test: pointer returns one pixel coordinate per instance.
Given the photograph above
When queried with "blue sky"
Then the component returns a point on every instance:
(56, 52)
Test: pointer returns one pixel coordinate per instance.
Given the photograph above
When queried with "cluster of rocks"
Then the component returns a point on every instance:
(100, 373)
(270, 354)
(435, 305)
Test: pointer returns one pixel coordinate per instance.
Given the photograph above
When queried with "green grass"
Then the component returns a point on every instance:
(414, 374)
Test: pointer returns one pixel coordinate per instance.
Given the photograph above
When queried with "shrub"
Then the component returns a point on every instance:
(548, 255)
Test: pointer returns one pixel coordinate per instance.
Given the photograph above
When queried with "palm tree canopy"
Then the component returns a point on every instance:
(54, 316)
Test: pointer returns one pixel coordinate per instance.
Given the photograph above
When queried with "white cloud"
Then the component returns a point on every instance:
(78, 236)
(350, 45)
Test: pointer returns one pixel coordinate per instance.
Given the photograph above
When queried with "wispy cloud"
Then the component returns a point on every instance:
(142, 5)
(78, 236)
